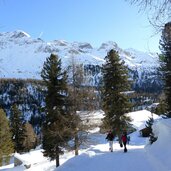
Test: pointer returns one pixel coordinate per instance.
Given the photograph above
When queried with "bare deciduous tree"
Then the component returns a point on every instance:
(79, 97)
(159, 11)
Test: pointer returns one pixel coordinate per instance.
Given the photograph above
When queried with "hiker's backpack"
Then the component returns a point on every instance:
(124, 138)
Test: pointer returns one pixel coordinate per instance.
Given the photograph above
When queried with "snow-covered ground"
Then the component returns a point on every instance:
(96, 157)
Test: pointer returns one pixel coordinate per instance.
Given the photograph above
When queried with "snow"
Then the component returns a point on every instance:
(140, 118)
(160, 151)
(23, 56)
(96, 156)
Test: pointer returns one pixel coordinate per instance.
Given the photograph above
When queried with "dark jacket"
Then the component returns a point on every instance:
(110, 136)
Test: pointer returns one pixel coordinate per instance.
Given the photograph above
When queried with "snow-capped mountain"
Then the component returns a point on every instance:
(22, 57)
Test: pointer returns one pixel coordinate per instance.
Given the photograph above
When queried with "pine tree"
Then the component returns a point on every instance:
(149, 124)
(56, 129)
(115, 100)
(165, 45)
(30, 137)
(161, 108)
(6, 144)
(17, 128)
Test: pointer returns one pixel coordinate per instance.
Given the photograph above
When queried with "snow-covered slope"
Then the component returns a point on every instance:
(96, 157)
(139, 118)
(22, 56)
(159, 152)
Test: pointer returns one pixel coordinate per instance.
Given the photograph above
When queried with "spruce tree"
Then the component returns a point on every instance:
(56, 128)
(6, 144)
(115, 100)
(149, 124)
(165, 45)
(17, 128)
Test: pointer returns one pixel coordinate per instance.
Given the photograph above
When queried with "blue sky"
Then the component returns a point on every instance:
(93, 21)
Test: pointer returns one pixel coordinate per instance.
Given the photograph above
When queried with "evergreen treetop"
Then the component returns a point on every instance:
(56, 128)
(55, 82)
(6, 144)
(115, 100)
(165, 46)
(17, 128)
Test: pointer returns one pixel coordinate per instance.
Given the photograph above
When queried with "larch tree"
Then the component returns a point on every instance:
(77, 94)
(17, 128)
(6, 144)
(115, 100)
(165, 46)
(56, 128)
(30, 140)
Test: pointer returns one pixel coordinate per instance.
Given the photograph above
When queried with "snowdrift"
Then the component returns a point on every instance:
(160, 152)
(139, 118)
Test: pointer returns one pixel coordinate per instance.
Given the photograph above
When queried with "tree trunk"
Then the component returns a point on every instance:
(76, 144)
(57, 160)
(57, 157)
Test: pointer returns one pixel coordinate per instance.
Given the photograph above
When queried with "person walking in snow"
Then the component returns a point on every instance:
(124, 140)
(110, 138)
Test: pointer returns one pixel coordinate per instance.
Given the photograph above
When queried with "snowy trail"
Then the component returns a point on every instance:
(100, 159)
(95, 155)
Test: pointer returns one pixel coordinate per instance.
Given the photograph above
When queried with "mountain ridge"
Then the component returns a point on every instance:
(23, 57)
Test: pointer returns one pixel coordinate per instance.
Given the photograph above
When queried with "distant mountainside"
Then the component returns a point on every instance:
(22, 57)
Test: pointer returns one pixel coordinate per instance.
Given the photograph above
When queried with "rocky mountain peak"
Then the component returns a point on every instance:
(15, 34)
(19, 34)
(85, 46)
(109, 45)
(23, 57)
